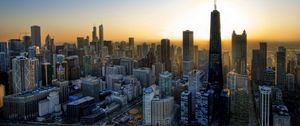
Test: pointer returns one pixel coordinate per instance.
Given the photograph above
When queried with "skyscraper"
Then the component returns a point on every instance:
(186, 107)
(46, 74)
(165, 83)
(165, 54)
(239, 52)
(265, 105)
(27, 42)
(94, 34)
(148, 95)
(101, 39)
(188, 47)
(262, 58)
(24, 73)
(36, 35)
(215, 71)
(280, 71)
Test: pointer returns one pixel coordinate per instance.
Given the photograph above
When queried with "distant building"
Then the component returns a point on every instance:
(186, 108)
(290, 81)
(265, 105)
(298, 76)
(144, 75)
(128, 64)
(165, 54)
(239, 52)
(165, 83)
(36, 35)
(87, 65)
(236, 81)
(281, 68)
(188, 47)
(269, 77)
(46, 74)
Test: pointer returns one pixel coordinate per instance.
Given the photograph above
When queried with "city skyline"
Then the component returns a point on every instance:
(151, 21)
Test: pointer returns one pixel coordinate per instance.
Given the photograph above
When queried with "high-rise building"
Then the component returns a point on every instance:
(87, 65)
(36, 35)
(186, 108)
(204, 108)
(165, 83)
(128, 64)
(3, 47)
(225, 107)
(94, 34)
(196, 79)
(265, 105)
(82, 42)
(46, 74)
(239, 52)
(255, 71)
(281, 67)
(236, 81)
(188, 47)
(269, 77)
(91, 87)
(291, 65)
(24, 73)
(215, 71)
(144, 75)
(27, 42)
(263, 58)
(165, 54)
(290, 82)
(148, 95)
(162, 111)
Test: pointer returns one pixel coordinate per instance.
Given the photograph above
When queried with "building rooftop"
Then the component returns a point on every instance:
(81, 100)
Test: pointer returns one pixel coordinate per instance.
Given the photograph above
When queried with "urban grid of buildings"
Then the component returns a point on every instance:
(100, 82)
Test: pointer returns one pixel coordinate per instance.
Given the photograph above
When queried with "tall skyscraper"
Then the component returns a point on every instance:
(263, 58)
(215, 70)
(188, 47)
(165, 54)
(239, 52)
(46, 74)
(27, 42)
(36, 35)
(24, 73)
(94, 34)
(186, 108)
(101, 39)
(281, 67)
(265, 105)
(165, 83)
(148, 95)
(3, 47)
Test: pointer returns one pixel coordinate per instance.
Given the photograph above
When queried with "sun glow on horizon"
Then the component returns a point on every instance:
(197, 19)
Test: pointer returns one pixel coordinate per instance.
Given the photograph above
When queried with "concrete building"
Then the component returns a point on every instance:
(281, 68)
(188, 48)
(144, 75)
(46, 74)
(24, 106)
(186, 108)
(79, 108)
(157, 68)
(87, 65)
(36, 35)
(148, 95)
(165, 54)
(63, 90)
(235, 81)
(128, 64)
(269, 77)
(91, 87)
(162, 111)
(50, 104)
(239, 52)
(265, 105)
(165, 83)
(196, 79)
(204, 108)
(281, 116)
(290, 82)
(24, 73)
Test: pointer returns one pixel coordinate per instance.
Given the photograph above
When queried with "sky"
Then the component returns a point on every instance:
(150, 20)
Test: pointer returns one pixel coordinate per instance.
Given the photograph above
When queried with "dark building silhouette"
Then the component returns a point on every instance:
(165, 53)
(46, 74)
(188, 51)
(280, 69)
(36, 35)
(239, 52)
(215, 72)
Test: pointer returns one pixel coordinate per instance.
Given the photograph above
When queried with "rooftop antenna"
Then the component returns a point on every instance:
(215, 1)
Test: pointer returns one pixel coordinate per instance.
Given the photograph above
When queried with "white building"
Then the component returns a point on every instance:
(24, 73)
(162, 111)
(148, 95)
(265, 105)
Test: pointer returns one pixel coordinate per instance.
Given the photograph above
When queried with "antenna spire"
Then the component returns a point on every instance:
(215, 1)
